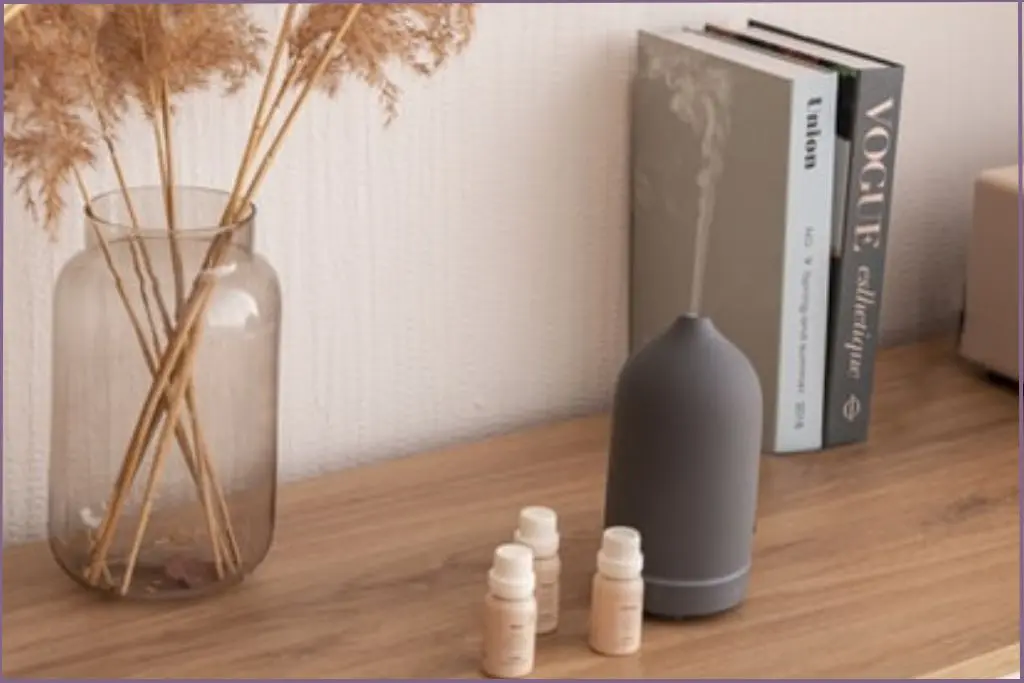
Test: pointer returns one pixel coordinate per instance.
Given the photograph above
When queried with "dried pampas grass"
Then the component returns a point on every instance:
(73, 74)
(12, 11)
(180, 48)
(48, 73)
(83, 68)
(421, 37)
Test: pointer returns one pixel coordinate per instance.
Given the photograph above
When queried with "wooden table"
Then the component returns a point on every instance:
(893, 559)
(997, 664)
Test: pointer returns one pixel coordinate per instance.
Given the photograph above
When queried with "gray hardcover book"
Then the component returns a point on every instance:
(867, 124)
(737, 145)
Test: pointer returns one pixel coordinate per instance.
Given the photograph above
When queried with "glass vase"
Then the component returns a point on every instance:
(163, 460)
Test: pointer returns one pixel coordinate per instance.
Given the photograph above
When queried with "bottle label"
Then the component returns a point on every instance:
(630, 623)
(509, 641)
(616, 617)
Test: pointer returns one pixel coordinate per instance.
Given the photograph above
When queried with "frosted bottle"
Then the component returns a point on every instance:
(510, 614)
(617, 594)
(538, 530)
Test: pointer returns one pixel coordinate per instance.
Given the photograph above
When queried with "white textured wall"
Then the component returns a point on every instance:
(464, 271)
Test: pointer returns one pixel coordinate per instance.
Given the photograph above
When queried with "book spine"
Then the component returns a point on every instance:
(858, 278)
(803, 327)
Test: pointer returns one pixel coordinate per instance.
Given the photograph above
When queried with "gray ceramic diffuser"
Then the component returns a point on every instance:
(683, 467)
(686, 434)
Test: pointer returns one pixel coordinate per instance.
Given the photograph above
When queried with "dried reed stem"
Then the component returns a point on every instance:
(168, 175)
(118, 280)
(176, 379)
(137, 246)
(205, 466)
(199, 463)
(163, 445)
(181, 348)
(145, 424)
(158, 107)
(163, 123)
(200, 467)
(206, 472)
(286, 84)
(148, 354)
(289, 120)
(258, 121)
(203, 474)
(290, 77)
(160, 140)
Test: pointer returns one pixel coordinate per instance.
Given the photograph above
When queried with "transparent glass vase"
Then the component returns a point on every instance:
(140, 505)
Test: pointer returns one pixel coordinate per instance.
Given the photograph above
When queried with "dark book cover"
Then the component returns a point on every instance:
(867, 126)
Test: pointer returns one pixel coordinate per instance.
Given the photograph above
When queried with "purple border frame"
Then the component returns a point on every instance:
(1020, 242)
(1020, 281)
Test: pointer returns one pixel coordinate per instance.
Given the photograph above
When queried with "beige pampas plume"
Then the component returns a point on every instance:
(421, 37)
(48, 135)
(73, 72)
(183, 47)
(12, 11)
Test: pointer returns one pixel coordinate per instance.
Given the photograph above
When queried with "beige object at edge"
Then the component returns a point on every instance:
(538, 530)
(617, 597)
(989, 336)
(510, 614)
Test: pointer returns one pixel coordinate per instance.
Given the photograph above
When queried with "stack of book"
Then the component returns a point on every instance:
(763, 171)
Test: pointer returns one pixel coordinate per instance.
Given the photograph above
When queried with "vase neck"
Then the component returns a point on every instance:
(186, 215)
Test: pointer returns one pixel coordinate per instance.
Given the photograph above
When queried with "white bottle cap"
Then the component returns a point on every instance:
(538, 529)
(620, 556)
(511, 576)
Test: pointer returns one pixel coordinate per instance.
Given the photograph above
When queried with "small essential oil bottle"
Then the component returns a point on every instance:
(538, 530)
(617, 595)
(510, 614)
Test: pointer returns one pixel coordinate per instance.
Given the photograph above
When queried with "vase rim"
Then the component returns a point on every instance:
(200, 229)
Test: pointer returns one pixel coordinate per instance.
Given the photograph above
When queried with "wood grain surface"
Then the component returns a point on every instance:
(892, 559)
(997, 664)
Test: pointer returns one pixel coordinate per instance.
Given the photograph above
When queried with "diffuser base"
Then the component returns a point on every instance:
(668, 599)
